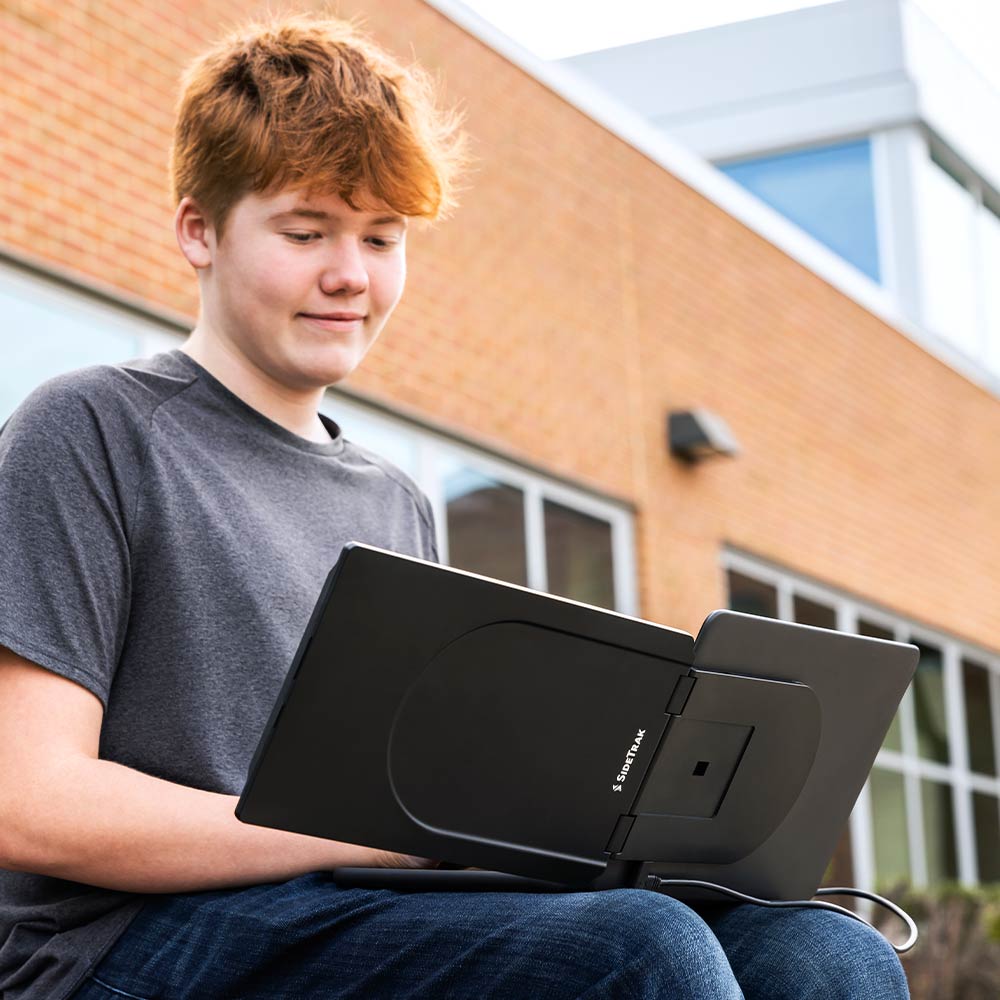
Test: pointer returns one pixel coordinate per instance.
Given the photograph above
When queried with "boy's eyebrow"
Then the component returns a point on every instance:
(315, 213)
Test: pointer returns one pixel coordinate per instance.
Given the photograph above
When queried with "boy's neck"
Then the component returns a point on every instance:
(295, 410)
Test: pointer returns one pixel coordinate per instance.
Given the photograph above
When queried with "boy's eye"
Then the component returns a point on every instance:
(382, 243)
(302, 237)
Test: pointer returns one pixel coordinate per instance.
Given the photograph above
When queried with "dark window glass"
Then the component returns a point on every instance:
(978, 718)
(893, 738)
(986, 813)
(578, 555)
(751, 596)
(811, 613)
(939, 831)
(892, 842)
(875, 631)
(827, 191)
(485, 525)
(928, 703)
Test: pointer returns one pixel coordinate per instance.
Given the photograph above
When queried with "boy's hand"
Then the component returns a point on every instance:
(389, 859)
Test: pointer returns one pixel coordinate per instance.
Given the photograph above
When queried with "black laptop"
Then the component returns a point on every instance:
(440, 713)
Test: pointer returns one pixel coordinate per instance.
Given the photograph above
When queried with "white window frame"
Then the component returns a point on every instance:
(898, 156)
(436, 451)
(908, 763)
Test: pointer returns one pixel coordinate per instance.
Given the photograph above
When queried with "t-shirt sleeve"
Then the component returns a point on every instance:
(429, 540)
(65, 584)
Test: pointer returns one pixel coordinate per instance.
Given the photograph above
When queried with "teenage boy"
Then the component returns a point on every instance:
(167, 524)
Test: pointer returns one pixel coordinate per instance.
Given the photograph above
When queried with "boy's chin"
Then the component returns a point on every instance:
(318, 372)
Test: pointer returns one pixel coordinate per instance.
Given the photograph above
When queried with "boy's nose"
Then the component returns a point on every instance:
(345, 270)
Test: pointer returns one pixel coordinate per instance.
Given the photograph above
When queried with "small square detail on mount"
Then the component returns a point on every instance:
(700, 768)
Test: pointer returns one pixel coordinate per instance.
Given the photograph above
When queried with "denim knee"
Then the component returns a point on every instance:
(801, 954)
(850, 961)
(652, 947)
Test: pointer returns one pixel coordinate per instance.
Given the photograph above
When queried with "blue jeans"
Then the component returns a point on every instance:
(307, 938)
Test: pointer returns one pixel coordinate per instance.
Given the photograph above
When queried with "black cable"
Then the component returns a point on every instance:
(654, 883)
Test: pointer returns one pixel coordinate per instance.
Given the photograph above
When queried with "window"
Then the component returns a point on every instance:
(889, 828)
(989, 219)
(751, 596)
(949, 257)
(986, 813)
(485, 524)
(53, 329)
(578, 555)
(939, 831)
(496, 518)
(979, 712)
(809, 612)
(941, 221)
(827, 191)
(930, 811)
(893, 738)
(928, 705)
(958, 217)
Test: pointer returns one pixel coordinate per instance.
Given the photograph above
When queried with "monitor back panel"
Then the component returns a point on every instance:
(438, 713)
(857, 682)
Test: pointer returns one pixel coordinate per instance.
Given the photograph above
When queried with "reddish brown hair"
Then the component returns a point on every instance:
(311, 103)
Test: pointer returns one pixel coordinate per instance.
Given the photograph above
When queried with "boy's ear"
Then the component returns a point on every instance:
(195, 234)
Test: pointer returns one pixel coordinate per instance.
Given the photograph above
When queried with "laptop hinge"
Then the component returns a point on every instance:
(622, 829)
(682, 691)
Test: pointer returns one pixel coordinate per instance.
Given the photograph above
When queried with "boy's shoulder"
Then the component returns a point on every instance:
(141, 382)
(98, 416)
(391, 472)
(106, 395)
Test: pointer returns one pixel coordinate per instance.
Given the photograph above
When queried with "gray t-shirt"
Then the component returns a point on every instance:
(163, 544)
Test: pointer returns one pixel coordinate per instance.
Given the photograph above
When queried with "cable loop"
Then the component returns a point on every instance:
(654, 882)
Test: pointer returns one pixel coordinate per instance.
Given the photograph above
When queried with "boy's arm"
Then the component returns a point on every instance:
(67, 814)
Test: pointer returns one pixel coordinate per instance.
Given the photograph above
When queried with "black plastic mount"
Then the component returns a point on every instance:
(443, 714)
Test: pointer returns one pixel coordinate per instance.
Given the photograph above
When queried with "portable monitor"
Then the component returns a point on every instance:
(439, 713)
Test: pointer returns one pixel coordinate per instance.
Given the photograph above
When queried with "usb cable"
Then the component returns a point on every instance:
(656, 884)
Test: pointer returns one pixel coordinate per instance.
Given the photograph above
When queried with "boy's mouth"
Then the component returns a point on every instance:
(341, 322)
(334, 316)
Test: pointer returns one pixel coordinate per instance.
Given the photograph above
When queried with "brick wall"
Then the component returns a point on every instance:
(579, 293)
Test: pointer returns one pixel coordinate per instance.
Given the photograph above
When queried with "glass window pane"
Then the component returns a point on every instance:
(894, 737)
(978, 718)
(48, 336)
(892, 842)
(751, 596)
(948, 215)
(485, 525)
(827, 191)
(939, 831)
(875, 631)
(811, 613)
(928, 704)
(986, 813)
(578, 555)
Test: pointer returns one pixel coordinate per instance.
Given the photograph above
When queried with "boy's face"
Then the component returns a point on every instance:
(302, 286)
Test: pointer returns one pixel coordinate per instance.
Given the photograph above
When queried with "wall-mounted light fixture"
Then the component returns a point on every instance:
(693, 435)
